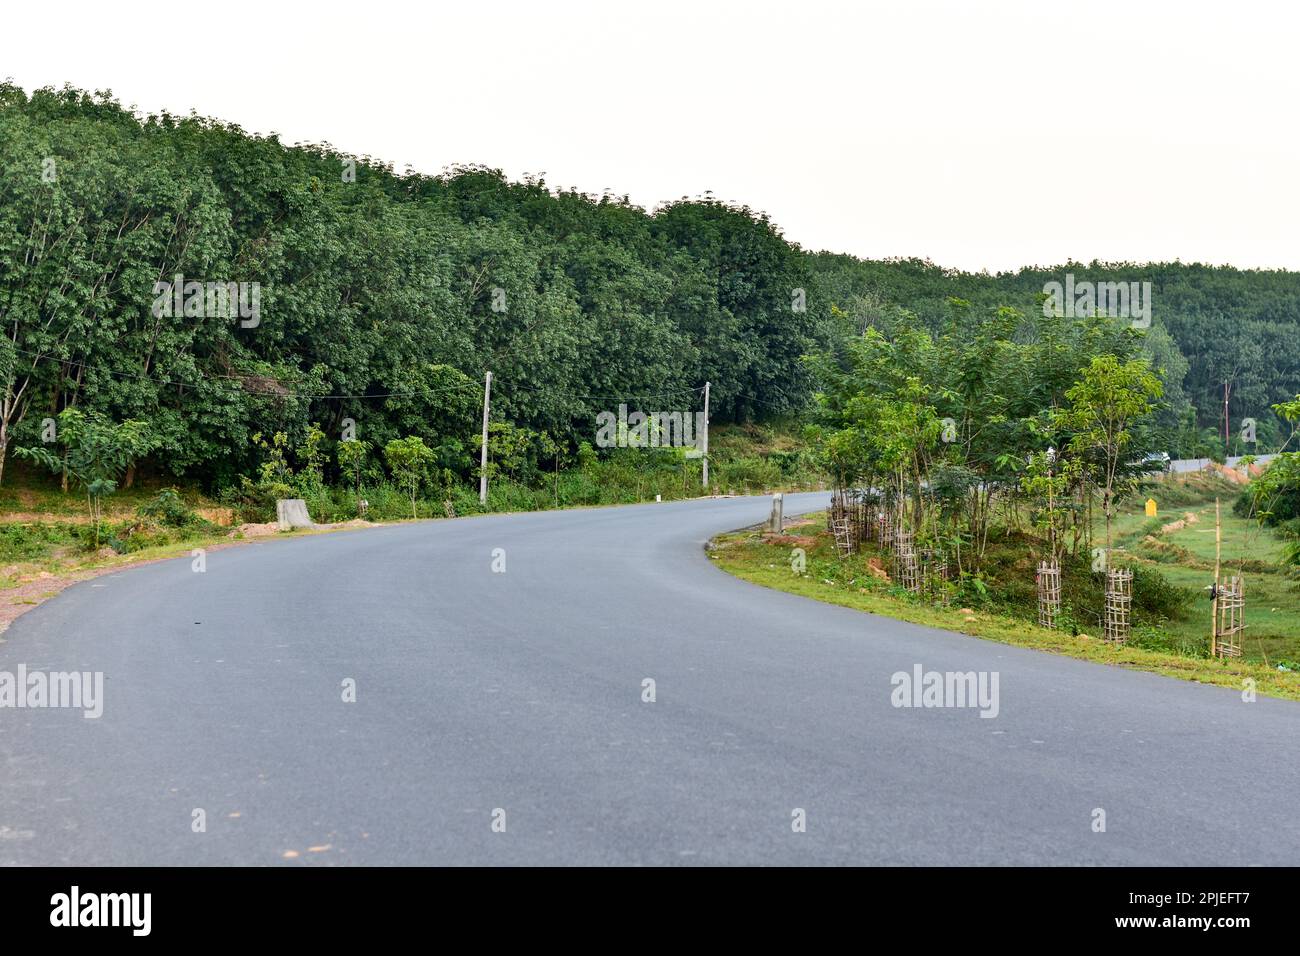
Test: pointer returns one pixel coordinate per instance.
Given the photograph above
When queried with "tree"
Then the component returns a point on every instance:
(547, 447)
(352, 456)
(1105, 403)
(98, 452)
(409, 460)
(1274, 497)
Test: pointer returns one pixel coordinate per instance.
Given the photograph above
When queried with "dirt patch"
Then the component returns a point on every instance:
(220, 516)
(21, 599)
(790, 540)
(1180, 524)
(1223, 471)
(255, 530)
(877, 569)
(43, 517)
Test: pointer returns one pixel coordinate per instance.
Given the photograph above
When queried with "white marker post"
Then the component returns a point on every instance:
(482, 462)
(705, 441)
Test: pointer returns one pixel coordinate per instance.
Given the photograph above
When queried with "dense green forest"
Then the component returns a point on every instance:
(383, 298)
(379, 299)
(1209, 325)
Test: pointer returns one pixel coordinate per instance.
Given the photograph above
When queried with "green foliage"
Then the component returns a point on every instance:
(24, 542)
(352, 457)
(378, 297)
(409, 459)
(945, 426)
(1274, 496)
(1107, 405)
(167, 507)
(96, 453)
(1211, 324)
(378, 304)
(312, 456)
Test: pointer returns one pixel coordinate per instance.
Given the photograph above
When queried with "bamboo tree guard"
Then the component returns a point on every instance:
(1049, 593)
(885, 529)
(836, 511)
(843, 533)
(870, 519)
(907, 568)
(903, 539)
(840, 523)
(934, 573)
(1231, 599)
(858, 517)
(1119, 600)
(1227, 601)
(1214, 587)
(837, 523)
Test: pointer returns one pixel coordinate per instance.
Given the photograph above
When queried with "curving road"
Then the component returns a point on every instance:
(522, 691)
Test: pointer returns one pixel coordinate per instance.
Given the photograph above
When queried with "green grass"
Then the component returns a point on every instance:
(42, 529)
(1186, 558)
(755, 557)
(30, 541)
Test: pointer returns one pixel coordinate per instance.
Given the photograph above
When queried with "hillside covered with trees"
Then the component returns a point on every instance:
(380, 298)
(1209, 325)
(383, 298)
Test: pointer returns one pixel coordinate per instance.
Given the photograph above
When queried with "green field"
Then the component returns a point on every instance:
(1185, 556)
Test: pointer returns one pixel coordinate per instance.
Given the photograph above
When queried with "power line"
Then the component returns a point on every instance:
(468, 386)
(241, 379)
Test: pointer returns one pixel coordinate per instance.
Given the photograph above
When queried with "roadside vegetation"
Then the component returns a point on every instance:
(973, 464)
(1170, 634)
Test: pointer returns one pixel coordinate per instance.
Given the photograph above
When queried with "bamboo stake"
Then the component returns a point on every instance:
(1214, 602)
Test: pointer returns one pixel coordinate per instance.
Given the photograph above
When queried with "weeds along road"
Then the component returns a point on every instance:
(479, 692)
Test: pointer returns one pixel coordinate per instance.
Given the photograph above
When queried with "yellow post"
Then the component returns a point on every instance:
(1151, 507)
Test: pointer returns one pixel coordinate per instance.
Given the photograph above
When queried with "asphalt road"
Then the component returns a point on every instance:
(521, 692)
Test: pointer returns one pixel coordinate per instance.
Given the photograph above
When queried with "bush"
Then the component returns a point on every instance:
(254, 501)
(26, 542)
(168, 508)
(748, 473)
(1273, 497)
(1154, 638)
(1155, 599)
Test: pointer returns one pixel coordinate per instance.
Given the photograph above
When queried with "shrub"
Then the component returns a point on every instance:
(26, 542)
(254, 501)
(168, 508)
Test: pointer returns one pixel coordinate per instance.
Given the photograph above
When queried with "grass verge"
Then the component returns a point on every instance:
(766, 560)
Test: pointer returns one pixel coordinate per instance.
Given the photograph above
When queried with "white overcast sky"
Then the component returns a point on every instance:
(980, 135)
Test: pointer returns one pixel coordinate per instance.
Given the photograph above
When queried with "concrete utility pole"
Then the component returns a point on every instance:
(1214, 593)
(482, 462)
(1227, 441)
(705, 440)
